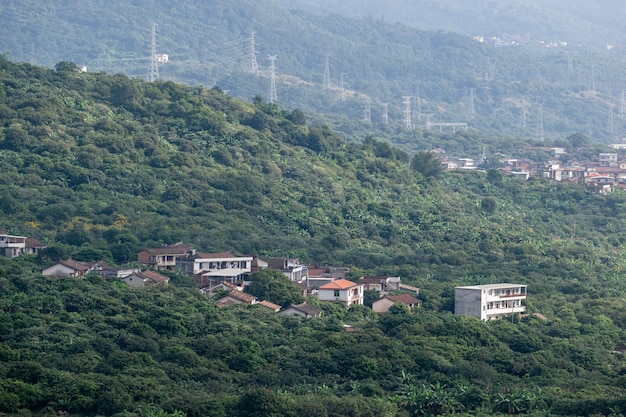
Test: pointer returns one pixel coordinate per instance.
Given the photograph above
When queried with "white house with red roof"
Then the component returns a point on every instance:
(13, 246)
(341, 291)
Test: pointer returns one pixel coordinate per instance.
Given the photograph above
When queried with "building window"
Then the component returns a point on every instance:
(336, 293)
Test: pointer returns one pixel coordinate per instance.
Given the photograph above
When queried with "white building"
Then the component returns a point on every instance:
(341, 291)
(219, 267)
(490, 302)
(13, 246)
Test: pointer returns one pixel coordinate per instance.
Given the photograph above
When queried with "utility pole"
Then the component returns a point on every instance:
(154, 64)
(385, 114)
(367, 111)
(408, 122)
(327, 83)
(254, 66)
(273, 96)
(342, 90)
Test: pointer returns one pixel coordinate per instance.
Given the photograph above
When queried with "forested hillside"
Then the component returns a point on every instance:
(100, 166)
(528, 90)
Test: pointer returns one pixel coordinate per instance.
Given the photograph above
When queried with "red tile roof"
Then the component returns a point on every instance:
(403, 298)
(33, 242)
(153, 276)
(271, 306)
(340, 284)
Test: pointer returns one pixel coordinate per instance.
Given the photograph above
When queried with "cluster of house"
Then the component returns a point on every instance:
(13, 246)
(226, 275)
(602, 175)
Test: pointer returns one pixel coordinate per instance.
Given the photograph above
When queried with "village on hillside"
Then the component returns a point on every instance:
(605, 172)
(226, 277)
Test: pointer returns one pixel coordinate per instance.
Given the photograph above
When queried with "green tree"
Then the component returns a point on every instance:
(272, 285)
(427, 164)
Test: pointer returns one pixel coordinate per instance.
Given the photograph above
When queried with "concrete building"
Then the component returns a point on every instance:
(490, 302)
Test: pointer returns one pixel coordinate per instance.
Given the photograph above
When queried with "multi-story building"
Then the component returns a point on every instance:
(341, 291)
(216, 267)
(165, 256)
(13, 246)
(490, 302)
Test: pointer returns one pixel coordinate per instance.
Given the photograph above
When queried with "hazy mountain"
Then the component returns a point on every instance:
(448, 77)
(577, 22)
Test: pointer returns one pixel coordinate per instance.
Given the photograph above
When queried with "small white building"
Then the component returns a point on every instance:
(341, 291)
(491, 301)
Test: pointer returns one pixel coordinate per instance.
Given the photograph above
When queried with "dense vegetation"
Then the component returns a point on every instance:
(99, 166)
(209, 44)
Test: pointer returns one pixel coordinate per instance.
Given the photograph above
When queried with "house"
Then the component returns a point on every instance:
(341, 291)
(72, 268)
(269, 305)
(145, 279)
(382, 284)
(304, 310)
(165, 256)
(383, 304)
(290, 267)
(13, 246)
(600, 183)
(236, 297)
(491, 301)
(216, 267)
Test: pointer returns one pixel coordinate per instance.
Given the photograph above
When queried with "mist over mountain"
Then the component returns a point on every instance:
(577, 22)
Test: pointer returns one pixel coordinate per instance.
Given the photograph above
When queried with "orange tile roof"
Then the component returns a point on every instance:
(340, 284)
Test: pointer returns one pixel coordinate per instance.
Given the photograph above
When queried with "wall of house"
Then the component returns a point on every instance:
(58, 271)
(468, 302)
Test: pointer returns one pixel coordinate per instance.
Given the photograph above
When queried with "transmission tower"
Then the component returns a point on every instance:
(539, 130)
(273, 96)
(471, 111)
(327, 83)
(592, 78)
(343, 96)
(367, 111)
(408, 122)
(417, 104)
(385, 113)
(254, 66)
(154, 64)
(622, 107)
(610, 125)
